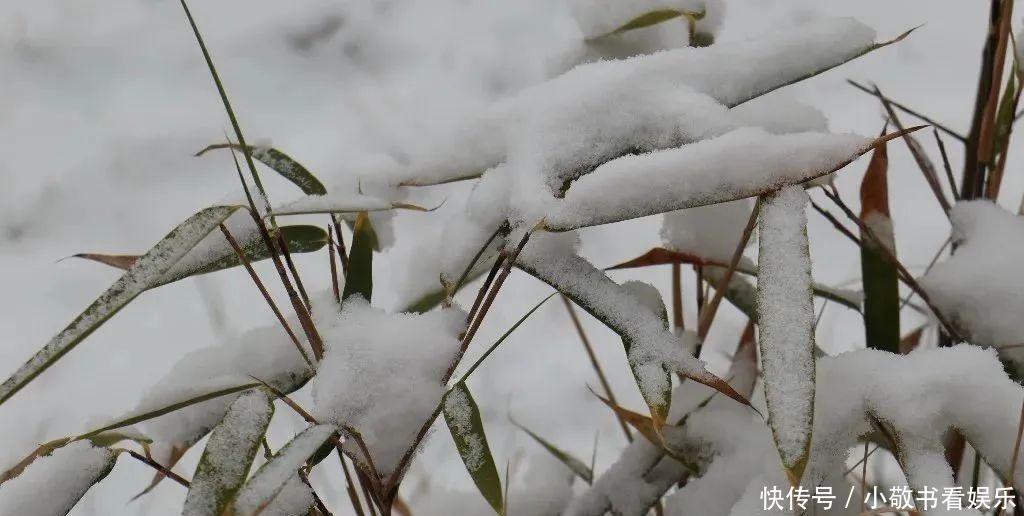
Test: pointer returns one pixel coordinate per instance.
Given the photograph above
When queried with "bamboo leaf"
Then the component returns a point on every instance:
(229, 454)
(279, 162)
(54, 485)
(786, 329)
(272, 476)
(219, 255)
(359, 279)
(878, 273)
(467, 429)
(575, 465)
(146, 272)
(658, 403)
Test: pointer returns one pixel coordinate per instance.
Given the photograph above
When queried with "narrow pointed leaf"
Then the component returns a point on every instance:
(646, 20)
(786, 325)
(229, 454)
(662, 256)
(643, 424)
(281, 163)
(648, 296)
(575, 465)
(467, 429)
(56, 483)
(219, 255)
(144, 273)
(272, 476)
(359, 279)
(878, 273)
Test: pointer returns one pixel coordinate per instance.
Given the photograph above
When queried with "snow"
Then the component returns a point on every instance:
(786, 320)
(381, 374)
(52, 485)
(229, 454)
(711, 232)
(980, 286)
(336, 202)
(267, 483)
(294, 499)
(739, 164)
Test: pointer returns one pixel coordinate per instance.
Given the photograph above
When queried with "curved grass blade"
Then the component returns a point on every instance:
(279, 162)
(220, 256)
(271, 477)
(663, 256)
(786, 329)
(467, 429)
(146, 272)
(575, 465)
(229, 454)
(359, 279)
(878, 274)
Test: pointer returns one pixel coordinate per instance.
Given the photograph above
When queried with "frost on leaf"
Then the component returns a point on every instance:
(980, 287)
(786, 323)
(228, 455)
(52, 485)
(381, 374)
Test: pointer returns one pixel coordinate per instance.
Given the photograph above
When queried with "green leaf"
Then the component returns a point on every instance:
(272, 476)
(575, 465)
(152, 414)
(467, 429)
(220, 256)
(359, 279)
(146, 272)
(229, 454)
(648, 19)
(786, 327)
(279, 162)
(879, 275)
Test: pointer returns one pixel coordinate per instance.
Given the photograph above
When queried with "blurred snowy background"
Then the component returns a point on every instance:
(102, 105)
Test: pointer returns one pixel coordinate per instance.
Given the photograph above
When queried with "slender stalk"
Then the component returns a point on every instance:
(945, 165)
(677, 297)
(973, 177)
(160, 467)
(597, 365)
(295, 272)
(334, 266)
(352, 496)
(304, 477)
(342, 253)
(986, 137)
(266, 295)
(707, 315)
(911, 112)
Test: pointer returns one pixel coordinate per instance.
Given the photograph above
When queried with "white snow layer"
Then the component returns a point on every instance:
(267, 484)
(980, 287)
(919, 396)
(381, 374)
(52, 485)
(786, 320)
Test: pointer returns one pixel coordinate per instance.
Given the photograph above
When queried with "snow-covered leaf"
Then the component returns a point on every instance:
(467, 429)
(268, 481)
(55, 483)
(575, 465)
(228, 455)
(340, 203)
(552, 259)
(146, 272)
(647, 296)
(786, 325)
(281, 163)
(878, 273)
(359, 279)
(219, 255)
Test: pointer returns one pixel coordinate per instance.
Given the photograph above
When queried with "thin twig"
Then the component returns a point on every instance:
(911, 112)
(349, 487)
(677, 297)
(597, 365)
(295, 272)
(160, 467)
(316, 498)
(342, 253)
(335, 288)
(946, 166)
(835, 222)
(931, 264)
(707, 315)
